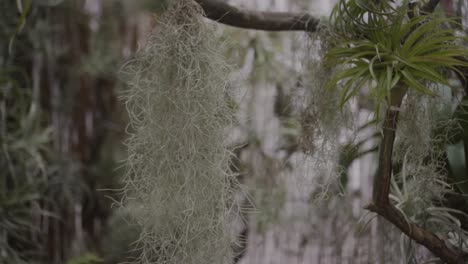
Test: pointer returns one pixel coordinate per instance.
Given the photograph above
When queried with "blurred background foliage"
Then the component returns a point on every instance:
(61, 128)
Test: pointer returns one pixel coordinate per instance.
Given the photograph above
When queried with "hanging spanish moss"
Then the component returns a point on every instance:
(420, 186)
(324, 118)
(178, 182)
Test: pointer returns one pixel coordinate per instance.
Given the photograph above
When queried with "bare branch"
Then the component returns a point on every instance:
(423, 237)
(269, 21)
(430, 6)
(384, 174)
(382, 205)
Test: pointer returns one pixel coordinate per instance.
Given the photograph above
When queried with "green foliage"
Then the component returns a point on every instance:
(37, 186)
(381, 47)
(118, 243)
(384, 51)
(421, 187)
(352, 151)
(87, 258)
(23, 170)
(157, 6)
(415, 197)
(456, 150)
(457, 162)
(23, 8)
(25, 154)
(24, 151)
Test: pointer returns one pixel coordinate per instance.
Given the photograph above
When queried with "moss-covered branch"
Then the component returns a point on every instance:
(420, 235)
(227, 14)
(382, 205)
(269, 21)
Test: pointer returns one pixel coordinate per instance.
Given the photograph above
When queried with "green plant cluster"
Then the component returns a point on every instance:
(24, 168)
(24, 150)
(381, 50)
(381, 46)
(38, 186)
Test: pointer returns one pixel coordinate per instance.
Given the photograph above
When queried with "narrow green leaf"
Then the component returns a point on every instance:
(412, 82)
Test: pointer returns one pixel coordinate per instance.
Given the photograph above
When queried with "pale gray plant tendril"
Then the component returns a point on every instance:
(178, 183)
(323, 119)
(425, 126)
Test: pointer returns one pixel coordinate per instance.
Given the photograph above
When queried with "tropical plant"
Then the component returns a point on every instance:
(24, 170)
(49, 202)
(382, 47)
(398, 55)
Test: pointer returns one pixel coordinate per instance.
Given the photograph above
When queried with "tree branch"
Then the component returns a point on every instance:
(382, 205)
(281, 21)
(423, 237)
(382, 182)
(269, 21)
(430, 6)
(384, 174)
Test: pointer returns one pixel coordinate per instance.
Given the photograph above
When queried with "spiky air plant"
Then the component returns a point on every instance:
(419, 187)
(400, 60)
(381, 47)
(178, 181)
(24, 166)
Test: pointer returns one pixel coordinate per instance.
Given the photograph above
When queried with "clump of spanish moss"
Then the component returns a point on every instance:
(420, 184)
(420, 117)
(324, 118)
(178, 181)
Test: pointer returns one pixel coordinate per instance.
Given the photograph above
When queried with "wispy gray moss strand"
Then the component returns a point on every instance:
(178, 178)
